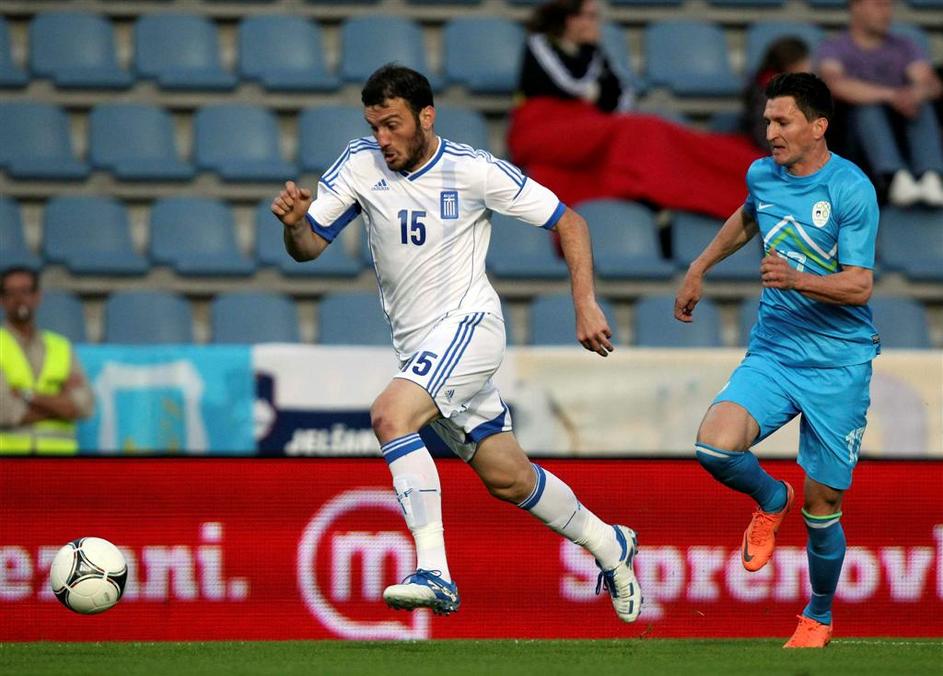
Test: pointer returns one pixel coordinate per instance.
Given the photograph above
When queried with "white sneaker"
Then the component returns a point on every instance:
(931, 189)
(423, 589)
(620, 581)
(904, 191)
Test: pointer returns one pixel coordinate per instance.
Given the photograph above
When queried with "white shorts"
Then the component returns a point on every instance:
(454, 365)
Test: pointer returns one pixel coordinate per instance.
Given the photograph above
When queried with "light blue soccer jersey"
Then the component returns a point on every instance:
(819, 223)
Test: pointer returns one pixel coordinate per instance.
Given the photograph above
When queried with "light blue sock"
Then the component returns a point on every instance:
(741, 471)
(826, 550)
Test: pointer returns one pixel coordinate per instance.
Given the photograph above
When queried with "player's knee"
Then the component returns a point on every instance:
(386, 424)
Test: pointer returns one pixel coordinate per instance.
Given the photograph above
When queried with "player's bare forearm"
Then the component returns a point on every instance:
(736, 231)
(578, 253)
(302, 244)
(851, 286)
(592, 328)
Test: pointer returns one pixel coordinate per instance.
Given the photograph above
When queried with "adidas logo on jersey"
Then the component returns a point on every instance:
(380, 185)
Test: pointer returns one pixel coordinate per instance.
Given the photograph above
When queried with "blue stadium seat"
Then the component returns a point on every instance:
(36, 143)
(148, 318)
(689, 57)
(926, 4)
(759, 4)
(323, 133)
(75, 50)
(14, 252)
(725, 122)
(270, 250)
(826, 4)
(553, 320)
(691, 233)
(61, 311)
(240, 143)
(761, 34)
(135, 142)
(901, 322)
(911, 241)
(196, 236)
(521, 251)
(90, 236)
(645, 3)
(655, 325)
(369, 42)
(352, 318)
(180, 51)
(462, 125)
(617, 50)
(748, 311)
(483, 53)
(284, 53)
(11, 75)
(250, 317)
(625, 240)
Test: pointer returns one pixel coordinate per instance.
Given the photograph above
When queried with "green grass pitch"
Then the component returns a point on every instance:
(489, 658)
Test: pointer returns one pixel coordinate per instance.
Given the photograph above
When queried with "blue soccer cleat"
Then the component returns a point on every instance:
(424, 589)
(620, 581)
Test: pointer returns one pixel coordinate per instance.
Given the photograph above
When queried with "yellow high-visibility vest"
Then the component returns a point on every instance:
(55, 437)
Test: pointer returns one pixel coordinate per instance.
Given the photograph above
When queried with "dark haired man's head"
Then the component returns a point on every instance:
(809, 92)
(398, 106)
(788, 54)
(19, 293)
(798, 109)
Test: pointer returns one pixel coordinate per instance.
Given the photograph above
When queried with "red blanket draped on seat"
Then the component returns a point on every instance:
(581, 153)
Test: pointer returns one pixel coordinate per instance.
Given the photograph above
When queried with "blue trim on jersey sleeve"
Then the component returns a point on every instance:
(331, 231)
(554, 217)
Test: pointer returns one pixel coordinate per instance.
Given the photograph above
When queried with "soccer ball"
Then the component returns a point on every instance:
(88, 575)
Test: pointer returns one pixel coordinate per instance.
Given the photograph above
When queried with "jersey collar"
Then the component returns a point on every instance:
(412, 176)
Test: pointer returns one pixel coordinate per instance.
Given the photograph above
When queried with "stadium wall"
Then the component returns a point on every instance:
(302, 548)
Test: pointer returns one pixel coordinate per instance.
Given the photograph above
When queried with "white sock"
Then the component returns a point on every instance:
(554, 503)
(416, 483)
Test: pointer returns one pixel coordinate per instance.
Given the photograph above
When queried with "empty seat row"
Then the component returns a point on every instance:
(285, 53)
(355, 318)
(197, 236)
(136, 142)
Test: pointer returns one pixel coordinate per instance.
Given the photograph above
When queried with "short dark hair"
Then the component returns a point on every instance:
(393, 81)
(812, 96)
(18, 270)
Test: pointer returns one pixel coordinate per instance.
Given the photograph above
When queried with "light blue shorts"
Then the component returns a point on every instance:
(833, 403)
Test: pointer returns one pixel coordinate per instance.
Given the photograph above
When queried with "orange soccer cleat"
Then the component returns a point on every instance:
(760, 536)
(810, 634)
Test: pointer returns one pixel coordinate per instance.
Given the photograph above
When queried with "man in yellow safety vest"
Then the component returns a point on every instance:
(43, 389)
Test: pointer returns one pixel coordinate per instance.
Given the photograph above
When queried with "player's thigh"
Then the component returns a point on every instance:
(457, 360)
(752, 405)
(834, 404)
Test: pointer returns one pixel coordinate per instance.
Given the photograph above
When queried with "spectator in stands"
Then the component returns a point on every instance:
(890, 88)
(43, 389)
(571, 132)
(786, 55)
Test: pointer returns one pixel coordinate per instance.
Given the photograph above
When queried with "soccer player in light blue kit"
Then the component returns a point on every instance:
(810, 351)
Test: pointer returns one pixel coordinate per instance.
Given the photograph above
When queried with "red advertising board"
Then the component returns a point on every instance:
(291, 549)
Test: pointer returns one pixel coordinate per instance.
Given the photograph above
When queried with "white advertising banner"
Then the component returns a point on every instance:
(565, 401)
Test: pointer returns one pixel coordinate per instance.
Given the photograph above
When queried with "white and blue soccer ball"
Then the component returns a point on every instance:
(88, 575)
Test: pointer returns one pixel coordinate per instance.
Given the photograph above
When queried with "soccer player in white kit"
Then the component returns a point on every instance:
(426, 203)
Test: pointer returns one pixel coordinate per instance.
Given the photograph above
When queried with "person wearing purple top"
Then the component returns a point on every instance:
(890, 88)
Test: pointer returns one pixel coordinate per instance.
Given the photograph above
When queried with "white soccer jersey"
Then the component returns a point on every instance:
(428, 229)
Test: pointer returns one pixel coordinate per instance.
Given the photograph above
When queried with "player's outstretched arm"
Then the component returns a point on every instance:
(739, 229)
(592, 328)
(291, 205)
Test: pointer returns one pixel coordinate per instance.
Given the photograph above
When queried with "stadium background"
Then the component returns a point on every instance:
(217, 539)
